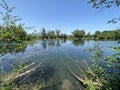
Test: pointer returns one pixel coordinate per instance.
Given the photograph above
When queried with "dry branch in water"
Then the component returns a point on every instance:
(15, 75)
(84, 78)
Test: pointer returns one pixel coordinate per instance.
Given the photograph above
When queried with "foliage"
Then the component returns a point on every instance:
(9, 30)
(63, 36)
(88, 36)
(105, 67)
(6, 16)
(15, 79)
(13, 33)
(113, 62)
(57, 33)
(115, 35)
(78, 34)
(106, 4)
(43, 33)
(52, 34)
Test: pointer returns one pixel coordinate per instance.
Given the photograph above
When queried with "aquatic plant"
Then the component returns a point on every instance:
(15, 79)
(87, 77)
(98, 75)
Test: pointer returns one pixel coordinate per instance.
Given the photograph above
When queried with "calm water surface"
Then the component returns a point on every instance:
(57, 54)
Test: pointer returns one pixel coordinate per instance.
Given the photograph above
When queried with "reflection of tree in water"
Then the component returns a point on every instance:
(64, 40)
(78, 42)
(58, 44)
(44, 44)
(12, 48)
(51, 43)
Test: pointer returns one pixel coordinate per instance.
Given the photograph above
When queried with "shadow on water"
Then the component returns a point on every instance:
(52, 43)
(15, 47)
(77, 42)
(12, 48)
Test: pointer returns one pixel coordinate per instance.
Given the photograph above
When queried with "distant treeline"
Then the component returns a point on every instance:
(52, 34)
(79, 34)
(115, 34)
(10, 30)
(18, 33)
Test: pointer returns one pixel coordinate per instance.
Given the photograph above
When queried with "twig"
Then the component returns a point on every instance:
(31, 70)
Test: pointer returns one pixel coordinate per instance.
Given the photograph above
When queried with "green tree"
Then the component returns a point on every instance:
(97, 34)
(117, 34)
(57, 33)
(114, 34)
(106, 4)
(9, 30)
(78, 34)
(49, 34)
(88, 36)
(63, 36)
(43, 33)
(53, 34)
(7, 18)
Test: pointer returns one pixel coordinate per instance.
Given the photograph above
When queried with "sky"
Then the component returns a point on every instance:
(66, 15)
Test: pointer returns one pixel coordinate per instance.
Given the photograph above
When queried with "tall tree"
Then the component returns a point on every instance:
(97, 34)
(57, 33)
(10, 31)
(43, 33)
(7, 18)
(78, 34)
(53, 34)
(49, 34)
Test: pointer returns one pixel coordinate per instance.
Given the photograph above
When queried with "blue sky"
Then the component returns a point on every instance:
(66, 15)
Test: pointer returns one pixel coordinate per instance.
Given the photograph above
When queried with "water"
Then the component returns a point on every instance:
(57, 54)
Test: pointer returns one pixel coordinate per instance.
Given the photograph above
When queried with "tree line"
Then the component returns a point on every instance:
(80, 34)
(10, 30)
(52, 34)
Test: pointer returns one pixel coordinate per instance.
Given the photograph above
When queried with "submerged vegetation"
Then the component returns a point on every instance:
(16, 78)
(101, 74)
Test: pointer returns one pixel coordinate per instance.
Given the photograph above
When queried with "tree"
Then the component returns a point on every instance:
(97, 34)
(106, 4)
(53, 34)
(57, 33)
(78, 34)
(9, 30)
(117, 34)
(63, 36)
(114, 34)
(6, 16)
(43, 33)
(49, 34)
(88, 36)
(19, 33)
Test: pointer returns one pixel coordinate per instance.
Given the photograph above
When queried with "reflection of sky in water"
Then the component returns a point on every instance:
(45, 48)
(57, 53)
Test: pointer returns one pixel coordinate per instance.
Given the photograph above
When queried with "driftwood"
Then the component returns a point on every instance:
(77, 77)
(16, 75)
(27, 73)
(84, 78)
